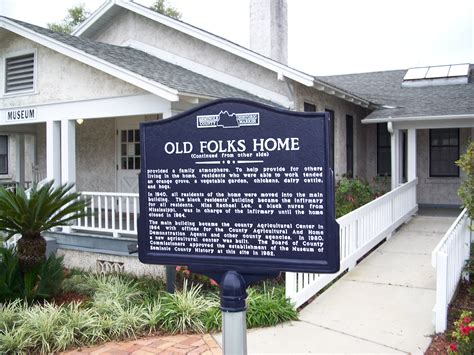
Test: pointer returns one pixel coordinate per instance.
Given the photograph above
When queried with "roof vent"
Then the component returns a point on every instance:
(437, 75)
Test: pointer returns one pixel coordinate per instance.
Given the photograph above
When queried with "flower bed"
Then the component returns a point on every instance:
(94, 309)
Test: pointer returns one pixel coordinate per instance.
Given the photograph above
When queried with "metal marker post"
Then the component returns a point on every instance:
(234, 327)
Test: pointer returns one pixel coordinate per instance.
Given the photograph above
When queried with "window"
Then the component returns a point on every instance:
(19, 73)
(349, 146)
(130, 149)
(308, 107)
(384, 157)
(3, 154)
(331, 137)
(444, 151)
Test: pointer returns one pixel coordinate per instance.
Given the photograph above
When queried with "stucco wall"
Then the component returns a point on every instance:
(59, 78)
(129, 26)
(341, 108)
(95, 155)
(437, 190)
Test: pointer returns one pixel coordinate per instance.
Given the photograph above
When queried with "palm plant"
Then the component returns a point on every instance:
(31, 214)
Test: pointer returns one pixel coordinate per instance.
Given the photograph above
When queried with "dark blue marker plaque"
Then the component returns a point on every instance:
(236, 185)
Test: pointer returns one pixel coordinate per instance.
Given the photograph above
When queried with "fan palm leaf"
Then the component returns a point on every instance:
(41, 209)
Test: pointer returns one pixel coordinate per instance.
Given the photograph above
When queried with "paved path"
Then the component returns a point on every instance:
(384, 305)
(164, 345)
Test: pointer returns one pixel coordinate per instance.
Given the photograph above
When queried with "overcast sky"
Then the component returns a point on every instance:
(325, 36)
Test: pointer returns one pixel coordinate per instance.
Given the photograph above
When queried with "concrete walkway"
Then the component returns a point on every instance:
(384, 305)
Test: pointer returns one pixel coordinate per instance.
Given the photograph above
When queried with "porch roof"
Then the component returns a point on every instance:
(171, 76)
(385, 89)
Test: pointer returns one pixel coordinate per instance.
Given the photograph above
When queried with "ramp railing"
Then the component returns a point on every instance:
(359, 232)
(449, 257)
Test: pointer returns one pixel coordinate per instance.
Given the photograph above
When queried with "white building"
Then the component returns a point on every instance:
(70, 108)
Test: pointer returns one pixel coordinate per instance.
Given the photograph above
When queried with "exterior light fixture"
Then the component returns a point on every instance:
(80, 121)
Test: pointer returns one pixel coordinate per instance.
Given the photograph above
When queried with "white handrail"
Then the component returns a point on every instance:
(359, 232)
(449, 258)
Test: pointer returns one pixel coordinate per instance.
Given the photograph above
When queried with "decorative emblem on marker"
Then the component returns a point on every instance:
(225, 120)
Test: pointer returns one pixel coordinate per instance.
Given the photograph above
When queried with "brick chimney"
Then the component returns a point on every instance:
(269, 29)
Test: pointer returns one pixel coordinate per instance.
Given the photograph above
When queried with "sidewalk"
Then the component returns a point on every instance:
(384, 305)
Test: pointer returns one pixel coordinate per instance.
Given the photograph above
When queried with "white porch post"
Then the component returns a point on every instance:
(68, 151)
(411, 154)
(395, 151)
(53, 151)
(20, 159)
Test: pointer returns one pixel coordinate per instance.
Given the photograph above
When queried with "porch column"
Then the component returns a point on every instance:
(20, 159)
(395, 151)
(68, 151)
(53, 151)
(411, 154)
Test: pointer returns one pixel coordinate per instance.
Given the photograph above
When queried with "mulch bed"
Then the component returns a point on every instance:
(68, 297)
(463, 301)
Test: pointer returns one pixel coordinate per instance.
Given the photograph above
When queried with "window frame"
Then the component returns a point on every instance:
(350, 147)
(309, 103)
(378, 146)
(332, 136)
(458, 132)
(3, 174)
(31, 91)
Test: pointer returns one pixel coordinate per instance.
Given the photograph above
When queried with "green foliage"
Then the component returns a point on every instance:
(352, 194)
(42, 282)
(463, 335)
(268, 308)
(183, 310)
(45, 207)
(76, 15)
(466, 190)
(162, 7)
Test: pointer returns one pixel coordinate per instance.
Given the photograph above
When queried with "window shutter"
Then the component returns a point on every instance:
(19, 73)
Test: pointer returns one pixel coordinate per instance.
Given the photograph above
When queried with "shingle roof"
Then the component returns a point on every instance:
(385, 88)
(148, 66)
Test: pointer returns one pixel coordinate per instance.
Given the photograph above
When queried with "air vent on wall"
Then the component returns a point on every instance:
(19, 73)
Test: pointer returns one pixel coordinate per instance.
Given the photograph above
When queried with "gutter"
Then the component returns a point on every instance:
(418, 118)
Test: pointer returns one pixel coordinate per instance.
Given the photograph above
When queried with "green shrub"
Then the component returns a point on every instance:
(268, 308)
(184, 310)
(466, 190)
(352, 194)
(42, 282)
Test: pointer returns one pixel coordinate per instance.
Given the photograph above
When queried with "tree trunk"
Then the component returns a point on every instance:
(31, 250)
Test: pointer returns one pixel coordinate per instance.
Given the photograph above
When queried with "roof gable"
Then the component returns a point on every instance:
(111, 8)
(131, 65)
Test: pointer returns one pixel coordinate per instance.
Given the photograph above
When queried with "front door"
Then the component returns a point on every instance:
(128, 155)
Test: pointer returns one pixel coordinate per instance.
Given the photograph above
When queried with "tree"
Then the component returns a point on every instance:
(466, 190)
(163, 8)
(76, 15)
(30, 215)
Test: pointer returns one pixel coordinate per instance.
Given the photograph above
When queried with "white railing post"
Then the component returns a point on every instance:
(290, 285)
(441, 306)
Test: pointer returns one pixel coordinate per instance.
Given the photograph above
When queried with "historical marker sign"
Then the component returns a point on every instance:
(235, 185)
